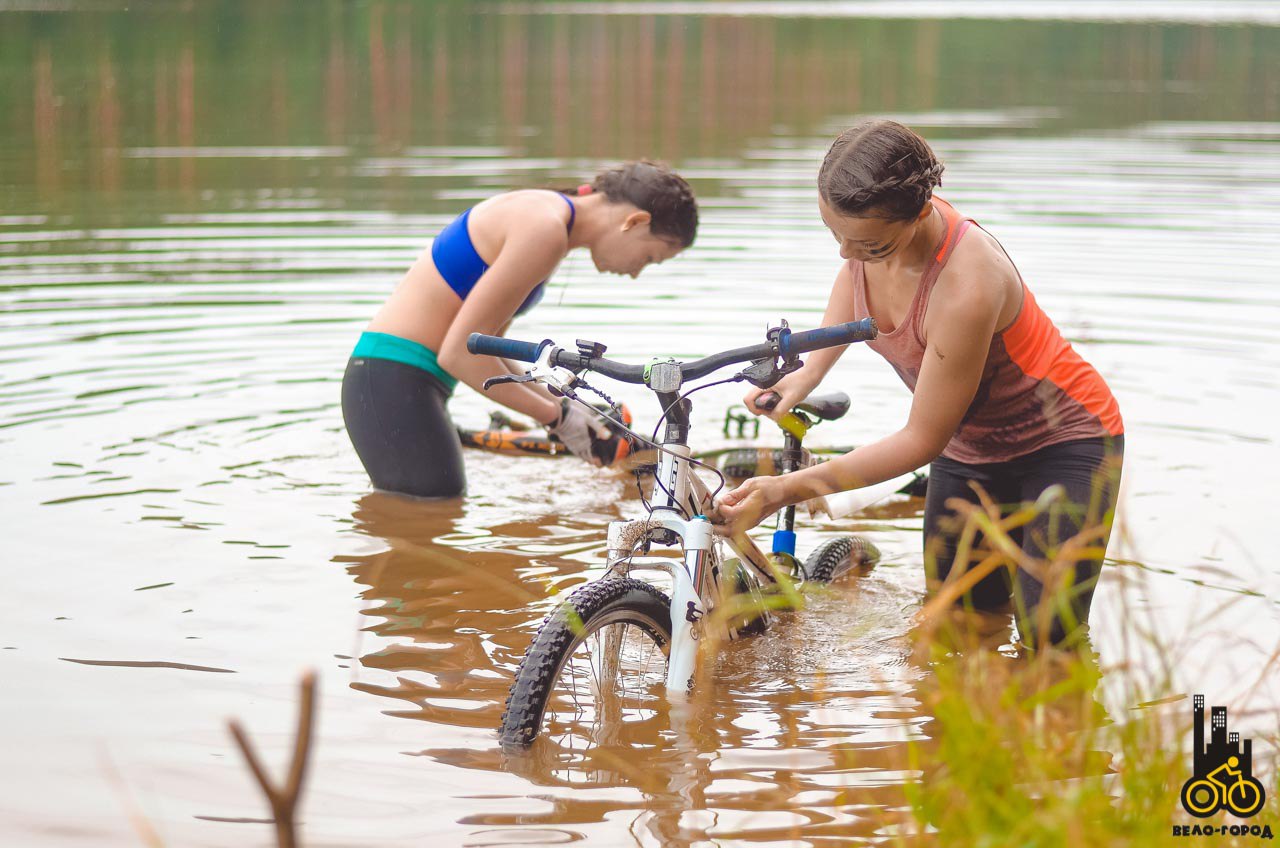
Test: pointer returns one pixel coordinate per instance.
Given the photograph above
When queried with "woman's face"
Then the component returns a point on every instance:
(869, 239)
(628, 246)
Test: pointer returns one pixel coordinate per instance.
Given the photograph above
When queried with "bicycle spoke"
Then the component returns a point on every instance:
(605, 693)
(618, 671)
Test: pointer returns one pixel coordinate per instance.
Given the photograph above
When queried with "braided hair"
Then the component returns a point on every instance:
(879, 168)
(656, 189)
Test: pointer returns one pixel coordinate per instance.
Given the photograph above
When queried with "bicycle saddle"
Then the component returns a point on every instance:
(828, 407)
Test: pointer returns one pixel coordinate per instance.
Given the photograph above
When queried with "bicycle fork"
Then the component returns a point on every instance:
(690, 584)
(691, 579)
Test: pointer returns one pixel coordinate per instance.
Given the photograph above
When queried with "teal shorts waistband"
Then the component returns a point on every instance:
(396, 349)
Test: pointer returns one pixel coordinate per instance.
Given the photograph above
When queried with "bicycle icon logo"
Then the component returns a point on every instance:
(1223, 778)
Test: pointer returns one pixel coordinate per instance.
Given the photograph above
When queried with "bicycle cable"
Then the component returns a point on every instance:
(652, 440)
(615, 406)
(736, 378)
(640, 440)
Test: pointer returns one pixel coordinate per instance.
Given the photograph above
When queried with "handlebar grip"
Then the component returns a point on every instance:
(767, 401)
(833, 336)
(483, 345)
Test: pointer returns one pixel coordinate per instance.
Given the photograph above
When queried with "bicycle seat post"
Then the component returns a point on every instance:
(784, 538)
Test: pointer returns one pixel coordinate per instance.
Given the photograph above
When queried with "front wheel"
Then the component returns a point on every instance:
(836, 557)
(598, 661)
(1245, 797)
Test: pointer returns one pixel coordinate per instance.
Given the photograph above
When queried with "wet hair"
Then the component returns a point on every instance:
(656, 189)
(879, 169)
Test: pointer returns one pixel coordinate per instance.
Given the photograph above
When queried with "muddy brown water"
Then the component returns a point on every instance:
(201, 210)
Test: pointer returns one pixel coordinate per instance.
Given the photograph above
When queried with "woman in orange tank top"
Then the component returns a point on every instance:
(1001, 400)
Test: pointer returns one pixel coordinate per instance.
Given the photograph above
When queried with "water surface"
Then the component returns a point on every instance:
(201, 210)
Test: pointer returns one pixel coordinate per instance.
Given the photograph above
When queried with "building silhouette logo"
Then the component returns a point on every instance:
(1223, 777)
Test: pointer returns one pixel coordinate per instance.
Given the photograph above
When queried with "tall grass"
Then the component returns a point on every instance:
(1020, 750)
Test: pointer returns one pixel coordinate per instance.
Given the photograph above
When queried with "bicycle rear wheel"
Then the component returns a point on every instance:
(599, 661)
(516, 442)
(836, 557)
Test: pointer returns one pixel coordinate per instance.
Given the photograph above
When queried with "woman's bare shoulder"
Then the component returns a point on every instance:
(979, 269)
(979, 252)
(532, 214)
(520, 203)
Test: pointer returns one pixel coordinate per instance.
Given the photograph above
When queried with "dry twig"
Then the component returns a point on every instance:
(284, 800)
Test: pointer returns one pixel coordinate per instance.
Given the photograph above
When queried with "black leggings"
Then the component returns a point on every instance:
(1089, 471)
(397, 420)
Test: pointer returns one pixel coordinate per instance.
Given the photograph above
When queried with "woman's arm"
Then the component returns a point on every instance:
(953, 361)
(529, 254)
(797, 386)
(959, 327)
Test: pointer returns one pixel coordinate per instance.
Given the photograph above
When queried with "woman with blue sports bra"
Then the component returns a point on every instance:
(487, 266)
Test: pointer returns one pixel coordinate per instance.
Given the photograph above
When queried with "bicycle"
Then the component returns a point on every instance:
(1205, 796)
(507, 435)
(514, 437)
(740, 463)
(636, 637)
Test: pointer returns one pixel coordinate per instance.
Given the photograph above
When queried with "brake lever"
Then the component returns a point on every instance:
(764, 373)
(506, 378)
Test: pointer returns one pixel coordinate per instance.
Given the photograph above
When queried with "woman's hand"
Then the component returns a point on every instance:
(749, 504)
(579, 430)
(791, 389)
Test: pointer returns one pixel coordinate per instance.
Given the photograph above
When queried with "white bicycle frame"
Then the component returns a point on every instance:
(695, 588)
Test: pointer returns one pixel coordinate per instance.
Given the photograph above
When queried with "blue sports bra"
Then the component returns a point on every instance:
(458, 262)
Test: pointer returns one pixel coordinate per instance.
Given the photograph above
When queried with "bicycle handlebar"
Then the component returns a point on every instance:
(787, 345)
(506, 348)
(833, 336)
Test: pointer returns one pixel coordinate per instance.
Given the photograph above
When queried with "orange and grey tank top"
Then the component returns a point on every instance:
(1035, 389)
